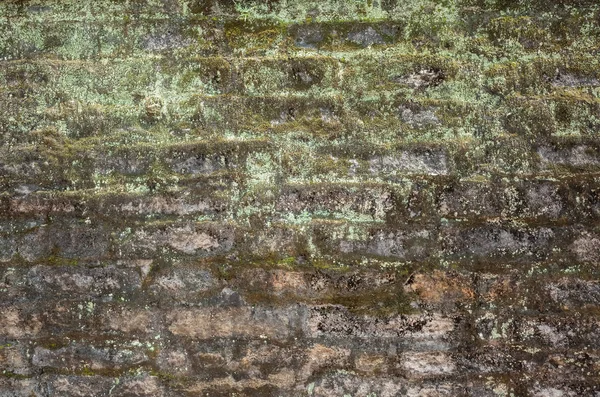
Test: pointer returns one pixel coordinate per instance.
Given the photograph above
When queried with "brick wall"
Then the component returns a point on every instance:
(299, 198)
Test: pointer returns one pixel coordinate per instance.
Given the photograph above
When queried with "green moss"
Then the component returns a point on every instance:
(253, 38)
(378, 302)
(86, 371)
(13, 375)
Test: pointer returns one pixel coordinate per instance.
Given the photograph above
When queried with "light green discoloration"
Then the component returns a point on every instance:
(291, 93)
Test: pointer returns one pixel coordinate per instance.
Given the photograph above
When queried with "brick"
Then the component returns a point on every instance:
(491, 241)
(421, 161)
(67, 281)
(200, 164)
(132, 321)
(127, 162)
(7, 249)
(574, 157)
(37, 203)
(440, 289)
(427, 364)
(18, 324)
(402, 243)
(225, 323)
(80, 317)
(352, 384)
(21, 388)
(275, 241)
(80, 386)
(526, 199)
(329, 200)
(586, 247)
(283, 281)
(72, 239)
(174, 361)
(143, 385)
(296, 74)
(14, 360)
(82, 241)
(79, 357)
(371, 364)
(550, 332)
(35, 245)
(335, 321)
(229, 384)
(359, 35)
(167, 206)
(182, 283)
(574, 294)
(188, 239)
(320, 356)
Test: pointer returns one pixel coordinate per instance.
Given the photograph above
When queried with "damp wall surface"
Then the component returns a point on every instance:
(299, 198)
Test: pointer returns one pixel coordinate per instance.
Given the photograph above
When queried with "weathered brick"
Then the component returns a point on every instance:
(17, 323)
(336, 201)
(574, 294)
(403, 244)
(440, 289)
(320, 356)
(240, 322)
(550, 332)
(297, 74)
(14, 359)
(182, 283)
(143, 385)
(79, 357)
(132, 321)
(335, 321)
(165, 206)
(586, 247)
(174, 361)
(21, 387)
(427, 364)
(572, 156)
(418, 161)
(80, 386)
(190, 239)
(492, 241)
(95, 281)
(371, 364)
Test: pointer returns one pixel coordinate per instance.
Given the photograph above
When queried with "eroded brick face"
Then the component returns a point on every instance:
(299, 198)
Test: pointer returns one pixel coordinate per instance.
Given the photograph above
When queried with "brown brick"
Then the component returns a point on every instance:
(418, 364)
(320, 356)
(14, 360)
(440, 288)
(240, 322)
(80, 386)
(336, 321)
(16, 324)
(79, 357)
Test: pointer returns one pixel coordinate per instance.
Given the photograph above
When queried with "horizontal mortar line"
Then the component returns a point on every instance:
(146, 54)
(157, 56)
(85, 146)
(190, 97)
(272, 18)
(524, 222)
(292, 95)
(533, 314)
(133, 20)
(344, 58)
(160, 54)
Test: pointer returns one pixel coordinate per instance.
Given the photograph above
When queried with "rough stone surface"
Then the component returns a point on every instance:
(366, 198)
